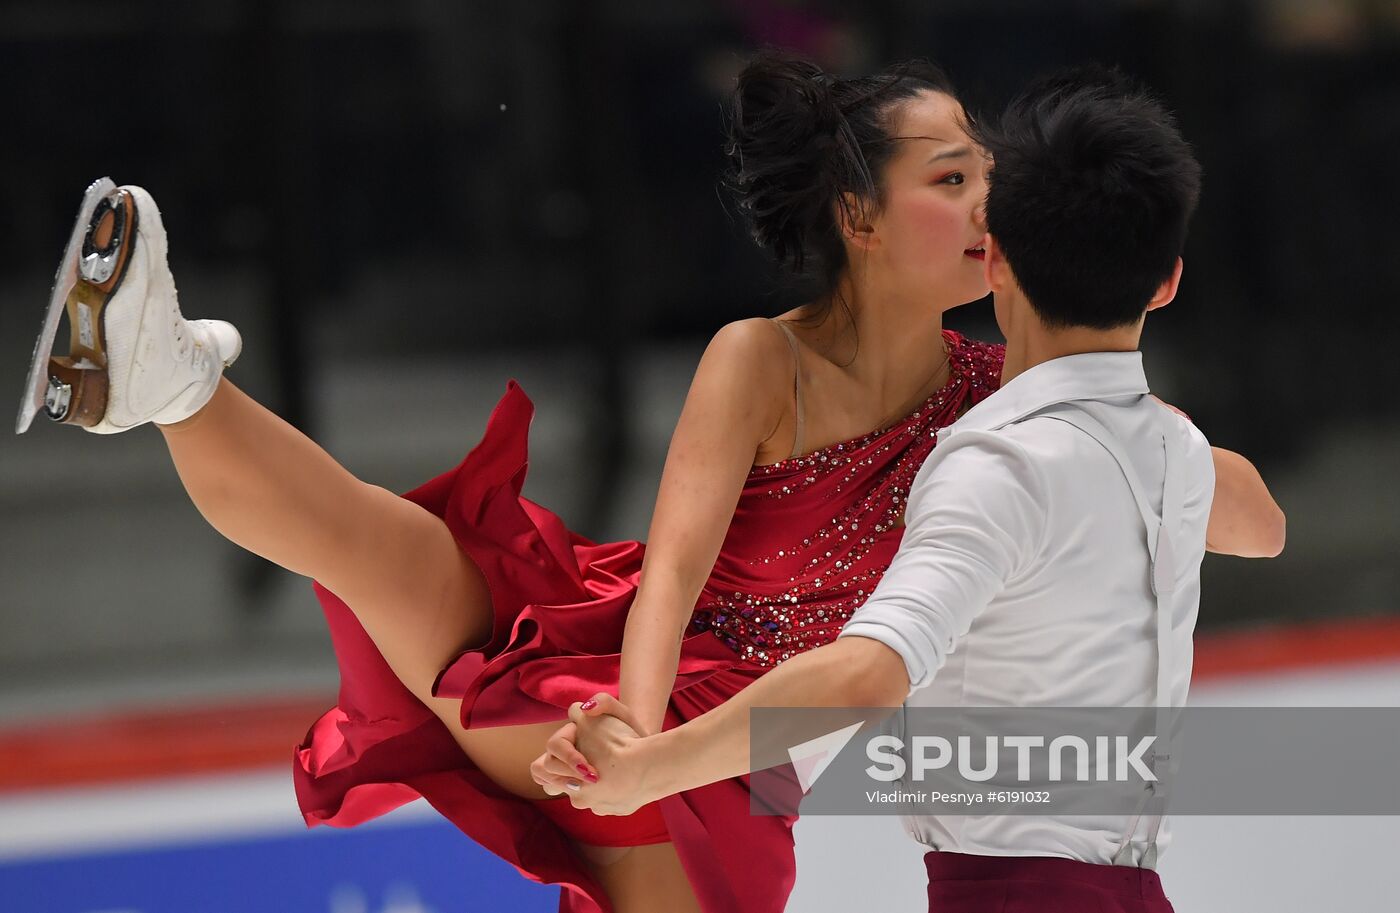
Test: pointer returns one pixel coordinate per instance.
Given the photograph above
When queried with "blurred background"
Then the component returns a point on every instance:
(403, 206)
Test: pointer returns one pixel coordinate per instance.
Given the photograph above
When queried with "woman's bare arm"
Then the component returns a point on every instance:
(738, 398)
(1245, 521)
(1244, 518)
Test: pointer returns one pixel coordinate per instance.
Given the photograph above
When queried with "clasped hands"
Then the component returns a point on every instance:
(598, 759)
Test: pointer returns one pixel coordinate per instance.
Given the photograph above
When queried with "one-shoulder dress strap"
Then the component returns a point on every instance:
(796, 386)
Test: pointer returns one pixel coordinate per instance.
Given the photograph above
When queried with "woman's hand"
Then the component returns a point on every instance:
(606, 733)
(562, 766)
(1173, 408)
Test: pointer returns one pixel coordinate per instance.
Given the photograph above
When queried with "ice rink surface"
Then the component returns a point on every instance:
(233, 842)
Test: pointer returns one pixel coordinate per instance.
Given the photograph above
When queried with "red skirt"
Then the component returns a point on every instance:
(959, 883)
(560, 603)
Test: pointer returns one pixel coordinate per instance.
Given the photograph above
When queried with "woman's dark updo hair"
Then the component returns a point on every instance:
(799, 139)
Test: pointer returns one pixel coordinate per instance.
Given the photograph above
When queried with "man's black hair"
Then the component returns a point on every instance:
(1092, 188)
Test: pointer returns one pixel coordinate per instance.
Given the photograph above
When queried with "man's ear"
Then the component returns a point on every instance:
(995, 269)
(1167, 290)
(854, 223)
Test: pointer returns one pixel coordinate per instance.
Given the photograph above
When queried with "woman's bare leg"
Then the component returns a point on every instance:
(644, 879)
(638, 879)
(270, 489)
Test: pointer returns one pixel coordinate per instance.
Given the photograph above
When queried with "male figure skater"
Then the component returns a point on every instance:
(1054, 537)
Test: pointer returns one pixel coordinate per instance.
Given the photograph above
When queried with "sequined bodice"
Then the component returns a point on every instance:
(812, 535)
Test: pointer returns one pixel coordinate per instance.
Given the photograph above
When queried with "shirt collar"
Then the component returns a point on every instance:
(1087, 376)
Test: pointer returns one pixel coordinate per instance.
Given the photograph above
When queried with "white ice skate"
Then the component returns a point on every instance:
(132, 357)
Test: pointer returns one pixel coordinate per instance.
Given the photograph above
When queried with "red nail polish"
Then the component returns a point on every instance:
(583, 769)
(588, 704)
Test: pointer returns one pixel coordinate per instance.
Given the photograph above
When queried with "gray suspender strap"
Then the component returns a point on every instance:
(1163, 582)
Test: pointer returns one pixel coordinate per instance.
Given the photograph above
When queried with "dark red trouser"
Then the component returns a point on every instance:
(958, 883)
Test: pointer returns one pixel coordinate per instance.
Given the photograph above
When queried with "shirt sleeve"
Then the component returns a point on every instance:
(976, 515)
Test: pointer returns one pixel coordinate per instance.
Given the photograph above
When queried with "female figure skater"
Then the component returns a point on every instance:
(467, 619)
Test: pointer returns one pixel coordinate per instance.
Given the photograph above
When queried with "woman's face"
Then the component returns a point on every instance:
(930, 228)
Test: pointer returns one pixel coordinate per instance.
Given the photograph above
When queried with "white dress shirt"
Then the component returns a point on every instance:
(1023, 578)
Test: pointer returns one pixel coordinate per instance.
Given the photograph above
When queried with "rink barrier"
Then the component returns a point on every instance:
(262, 733)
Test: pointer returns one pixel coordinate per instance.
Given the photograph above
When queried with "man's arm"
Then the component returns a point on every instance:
(972, 518)
(852, 672)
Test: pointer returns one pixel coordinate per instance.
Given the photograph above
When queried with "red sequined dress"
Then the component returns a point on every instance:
(810, 538)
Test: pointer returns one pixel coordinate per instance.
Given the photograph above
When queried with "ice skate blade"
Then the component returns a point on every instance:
(73, 388)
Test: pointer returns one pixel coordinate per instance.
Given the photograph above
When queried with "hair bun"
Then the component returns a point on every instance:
(803, 143)
(781, 138)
